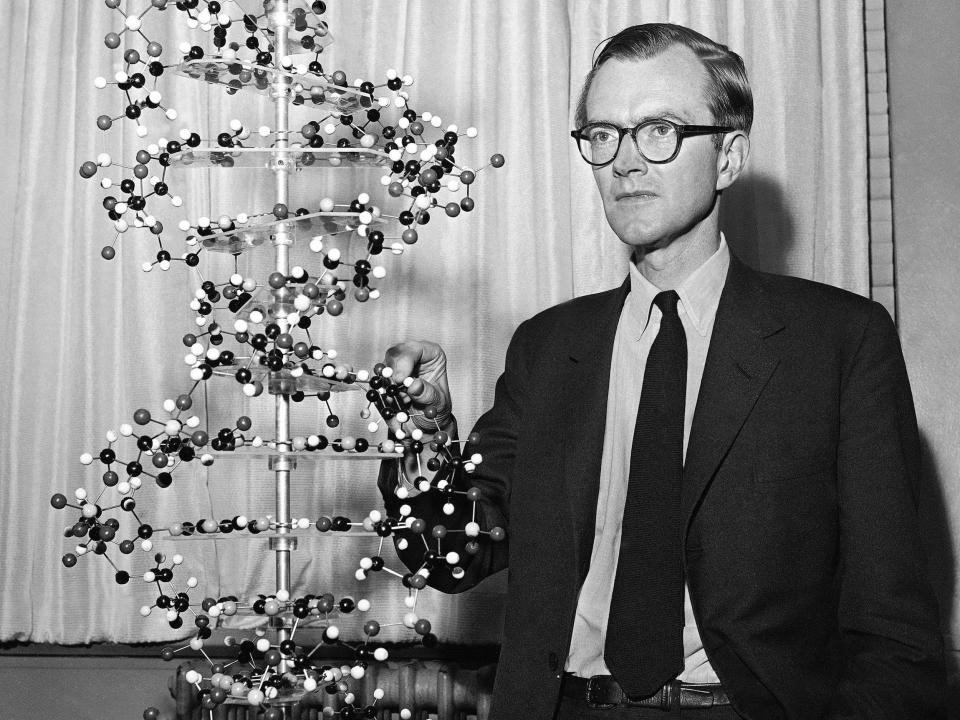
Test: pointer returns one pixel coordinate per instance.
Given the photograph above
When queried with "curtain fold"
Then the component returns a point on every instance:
(90, 341)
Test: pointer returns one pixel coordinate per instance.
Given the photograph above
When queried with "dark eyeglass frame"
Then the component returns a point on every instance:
(682, 132)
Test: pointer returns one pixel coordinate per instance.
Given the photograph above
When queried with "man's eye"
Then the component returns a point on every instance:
(661, 130)
(601, 136)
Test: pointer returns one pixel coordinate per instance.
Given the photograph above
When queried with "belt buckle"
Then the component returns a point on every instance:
(593, 683)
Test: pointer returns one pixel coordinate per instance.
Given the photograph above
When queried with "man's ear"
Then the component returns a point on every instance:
(732, 158)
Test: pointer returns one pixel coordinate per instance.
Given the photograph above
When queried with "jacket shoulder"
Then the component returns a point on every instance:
(793, 297)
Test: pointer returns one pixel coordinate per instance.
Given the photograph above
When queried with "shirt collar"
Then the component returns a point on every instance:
(699, 293)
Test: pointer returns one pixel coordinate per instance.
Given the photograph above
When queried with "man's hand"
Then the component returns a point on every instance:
(426, 363)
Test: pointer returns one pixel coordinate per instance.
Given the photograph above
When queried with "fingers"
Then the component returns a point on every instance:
(423, 365)
(424, 394)
(415, 358)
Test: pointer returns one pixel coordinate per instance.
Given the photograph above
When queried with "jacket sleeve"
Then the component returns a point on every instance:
(498, 431)
(893, 656)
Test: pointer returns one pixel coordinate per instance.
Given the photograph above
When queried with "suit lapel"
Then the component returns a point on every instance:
(583, 424)
(739, 364)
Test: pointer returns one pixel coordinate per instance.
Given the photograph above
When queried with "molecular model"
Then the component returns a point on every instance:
(265, 331)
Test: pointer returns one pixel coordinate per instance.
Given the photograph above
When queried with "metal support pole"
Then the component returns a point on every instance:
(279, 23)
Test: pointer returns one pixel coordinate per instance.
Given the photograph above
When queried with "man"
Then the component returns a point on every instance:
(708, 475)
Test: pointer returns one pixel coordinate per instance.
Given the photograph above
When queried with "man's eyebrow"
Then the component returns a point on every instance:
(664, 115)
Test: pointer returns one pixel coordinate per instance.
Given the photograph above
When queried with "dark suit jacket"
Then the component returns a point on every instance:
(802, 549)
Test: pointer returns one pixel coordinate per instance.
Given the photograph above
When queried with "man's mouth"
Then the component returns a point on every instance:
(635, 195)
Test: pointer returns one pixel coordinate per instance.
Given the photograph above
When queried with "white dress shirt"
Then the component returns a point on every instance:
(638, 326)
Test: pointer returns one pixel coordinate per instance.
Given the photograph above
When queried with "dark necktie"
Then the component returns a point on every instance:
(644, 646)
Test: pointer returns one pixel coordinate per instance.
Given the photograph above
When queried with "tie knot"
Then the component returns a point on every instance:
(667, 302)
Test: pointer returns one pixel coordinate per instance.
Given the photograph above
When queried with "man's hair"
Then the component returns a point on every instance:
(729, 96)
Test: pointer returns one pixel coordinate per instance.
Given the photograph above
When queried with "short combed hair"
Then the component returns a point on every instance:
(730, 98)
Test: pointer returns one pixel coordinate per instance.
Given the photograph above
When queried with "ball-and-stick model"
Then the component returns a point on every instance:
(265, 332)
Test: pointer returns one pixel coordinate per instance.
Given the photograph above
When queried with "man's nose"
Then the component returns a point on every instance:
(628, 158)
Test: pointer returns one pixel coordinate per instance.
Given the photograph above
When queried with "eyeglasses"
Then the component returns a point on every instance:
(658, 140)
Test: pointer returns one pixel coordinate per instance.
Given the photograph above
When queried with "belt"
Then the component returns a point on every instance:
(602, 691)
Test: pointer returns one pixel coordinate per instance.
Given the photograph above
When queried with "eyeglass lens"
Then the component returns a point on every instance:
(656, 140)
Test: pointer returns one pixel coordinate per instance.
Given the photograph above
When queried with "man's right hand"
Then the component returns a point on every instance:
(426, 363)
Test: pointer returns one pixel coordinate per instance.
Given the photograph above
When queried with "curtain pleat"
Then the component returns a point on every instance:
(89, 341)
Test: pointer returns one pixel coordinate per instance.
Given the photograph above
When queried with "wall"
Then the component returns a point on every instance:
(924, 112)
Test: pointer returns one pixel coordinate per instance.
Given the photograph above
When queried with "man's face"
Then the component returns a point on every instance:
(649, 205)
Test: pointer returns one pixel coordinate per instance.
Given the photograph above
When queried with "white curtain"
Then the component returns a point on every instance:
(89, 341)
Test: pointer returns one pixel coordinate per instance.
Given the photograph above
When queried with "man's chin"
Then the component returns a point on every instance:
(643, 241)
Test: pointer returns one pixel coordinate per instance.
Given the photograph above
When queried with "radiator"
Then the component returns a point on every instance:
(431, 689)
